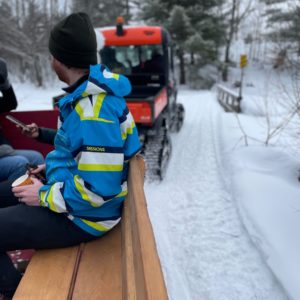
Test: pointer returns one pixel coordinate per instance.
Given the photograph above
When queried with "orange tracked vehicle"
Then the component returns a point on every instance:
(145, 55)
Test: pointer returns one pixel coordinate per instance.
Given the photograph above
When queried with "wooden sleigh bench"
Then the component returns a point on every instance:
(121, 265)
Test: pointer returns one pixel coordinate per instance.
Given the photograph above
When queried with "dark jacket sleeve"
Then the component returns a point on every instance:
(8, 101)
(46, 135)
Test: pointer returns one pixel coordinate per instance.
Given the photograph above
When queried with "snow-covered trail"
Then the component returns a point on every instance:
(204, 248)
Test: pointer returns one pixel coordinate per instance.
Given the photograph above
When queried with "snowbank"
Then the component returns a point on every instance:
(264, 180)
(267, 191)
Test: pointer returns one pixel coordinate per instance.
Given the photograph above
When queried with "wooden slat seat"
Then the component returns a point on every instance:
(121, 265)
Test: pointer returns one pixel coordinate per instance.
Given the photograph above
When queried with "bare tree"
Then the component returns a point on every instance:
(24, 33)
(235, 19)
(281, 113)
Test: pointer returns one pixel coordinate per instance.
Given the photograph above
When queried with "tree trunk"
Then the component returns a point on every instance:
(18, 14)
(38, 70)
(228, 41)
(66, 7)
(181, 65)
(23, 69)
(23, 13)
(127, 11)
(192, 58)
(225, 72)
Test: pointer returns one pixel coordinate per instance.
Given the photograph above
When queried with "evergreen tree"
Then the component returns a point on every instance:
(201, 16)
(205, 48)
(103, 13)
(154, 12)
(180, 29)
(283, 24)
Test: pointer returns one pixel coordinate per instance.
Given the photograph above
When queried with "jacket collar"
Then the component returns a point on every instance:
(71, 88)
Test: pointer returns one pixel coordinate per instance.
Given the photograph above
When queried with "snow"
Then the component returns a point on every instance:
(205, 251)
(226, 216)
(271, 215)
(265, 179)
(31, 97)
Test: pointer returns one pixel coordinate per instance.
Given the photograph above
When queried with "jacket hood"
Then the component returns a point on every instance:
(100, 80)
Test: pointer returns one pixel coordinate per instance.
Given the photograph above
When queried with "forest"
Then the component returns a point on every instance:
(203, 31)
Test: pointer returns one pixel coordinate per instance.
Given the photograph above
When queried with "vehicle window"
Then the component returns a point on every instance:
(133, 59)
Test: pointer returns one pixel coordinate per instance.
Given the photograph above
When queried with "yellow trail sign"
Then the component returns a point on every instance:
(243, 61)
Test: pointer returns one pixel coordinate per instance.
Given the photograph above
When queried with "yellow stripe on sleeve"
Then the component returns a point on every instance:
(129, 130)
(95, 225)
(83, 193)
(122, 194)
(50, 199)
(81, 190)
(42, 198)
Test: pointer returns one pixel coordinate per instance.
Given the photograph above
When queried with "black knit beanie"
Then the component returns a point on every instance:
(73, 41)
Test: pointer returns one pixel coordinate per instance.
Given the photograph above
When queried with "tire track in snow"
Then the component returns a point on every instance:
(204, 249)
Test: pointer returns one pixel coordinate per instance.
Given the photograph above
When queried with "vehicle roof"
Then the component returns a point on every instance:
(133, 35)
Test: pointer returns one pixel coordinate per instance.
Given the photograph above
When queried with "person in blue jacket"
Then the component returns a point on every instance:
(86, 173)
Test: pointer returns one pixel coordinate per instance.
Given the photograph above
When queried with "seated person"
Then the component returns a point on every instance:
(109, 59)
(155, 64)
(12, 162)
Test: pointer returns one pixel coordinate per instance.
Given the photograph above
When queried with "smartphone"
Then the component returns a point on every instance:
(17, 122)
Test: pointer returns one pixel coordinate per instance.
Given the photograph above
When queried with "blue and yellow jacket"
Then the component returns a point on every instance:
(87, 171)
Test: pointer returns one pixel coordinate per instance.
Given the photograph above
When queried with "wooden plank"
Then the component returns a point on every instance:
(147, 263)
(99, 273)
(137, 276)
(48, 275)
(128, 271)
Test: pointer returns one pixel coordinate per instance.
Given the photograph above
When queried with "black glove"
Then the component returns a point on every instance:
(4, 82)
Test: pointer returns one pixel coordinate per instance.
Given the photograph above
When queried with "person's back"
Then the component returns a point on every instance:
(155, 64)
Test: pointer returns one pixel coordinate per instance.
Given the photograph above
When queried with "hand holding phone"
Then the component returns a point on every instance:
(17, 122)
